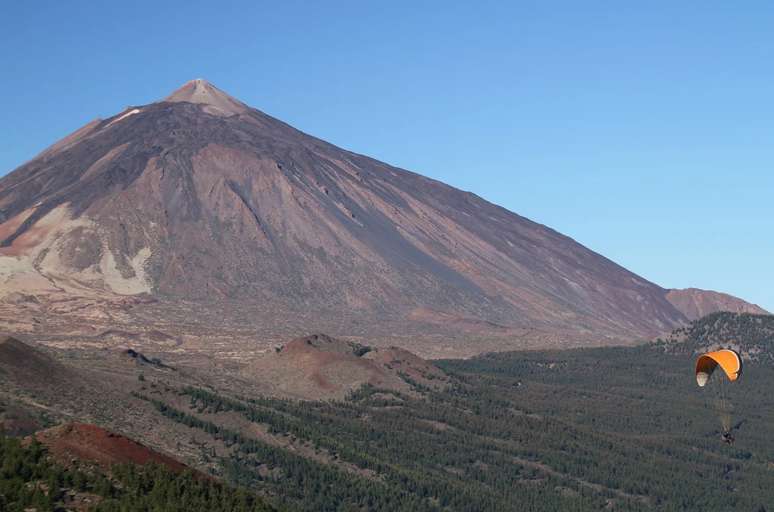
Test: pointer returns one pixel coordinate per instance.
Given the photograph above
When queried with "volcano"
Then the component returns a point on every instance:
(201, 198)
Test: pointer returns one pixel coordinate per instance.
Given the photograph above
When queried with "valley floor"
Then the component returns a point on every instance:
(623, 428)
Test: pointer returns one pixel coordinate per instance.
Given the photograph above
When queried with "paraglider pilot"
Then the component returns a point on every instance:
(731, 363)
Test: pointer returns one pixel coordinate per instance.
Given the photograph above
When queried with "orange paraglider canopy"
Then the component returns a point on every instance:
(728, 360)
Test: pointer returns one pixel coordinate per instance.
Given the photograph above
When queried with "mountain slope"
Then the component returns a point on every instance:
(202, 198)
(695, 303)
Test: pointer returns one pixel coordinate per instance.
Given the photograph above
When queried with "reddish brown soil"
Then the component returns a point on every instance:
(331, 364)
(321, 367)
(92, 444)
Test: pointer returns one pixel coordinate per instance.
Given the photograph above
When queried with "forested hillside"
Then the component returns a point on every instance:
(31, 480)
(752, 335)
(625, 428)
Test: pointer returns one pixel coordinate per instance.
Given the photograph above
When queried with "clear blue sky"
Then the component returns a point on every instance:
(641, 129)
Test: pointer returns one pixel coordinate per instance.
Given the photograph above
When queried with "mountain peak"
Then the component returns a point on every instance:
(202, 92)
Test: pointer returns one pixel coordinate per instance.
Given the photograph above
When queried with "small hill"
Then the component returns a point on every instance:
(695, 303)
(94, 445)
(321, 367)
(751, 335)
(24, 363)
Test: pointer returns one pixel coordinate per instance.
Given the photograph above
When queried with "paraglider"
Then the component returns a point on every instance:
(730, 362)
(726, 437)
